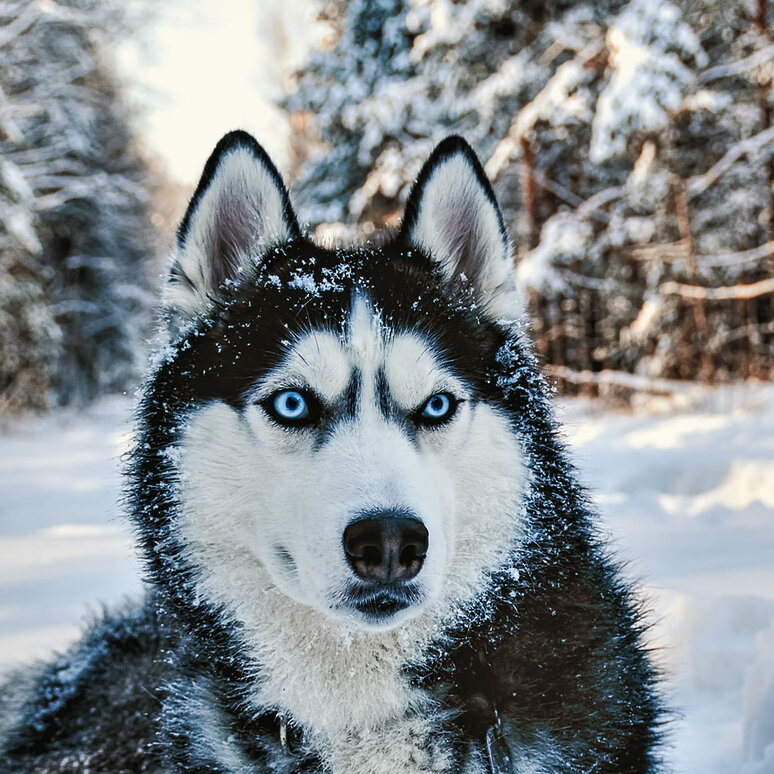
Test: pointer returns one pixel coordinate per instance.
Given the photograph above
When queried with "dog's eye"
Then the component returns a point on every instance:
(437, 409)
(291, 408)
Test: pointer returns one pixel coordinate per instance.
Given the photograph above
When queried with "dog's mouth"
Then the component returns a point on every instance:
(378, 602)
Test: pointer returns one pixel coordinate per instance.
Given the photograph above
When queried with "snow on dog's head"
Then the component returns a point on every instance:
(335, 435)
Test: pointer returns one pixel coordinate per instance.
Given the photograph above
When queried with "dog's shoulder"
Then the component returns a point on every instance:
(94, 705)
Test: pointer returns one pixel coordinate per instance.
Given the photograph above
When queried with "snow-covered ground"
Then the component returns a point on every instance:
(686, 491)
(688, 495)
(64, 549)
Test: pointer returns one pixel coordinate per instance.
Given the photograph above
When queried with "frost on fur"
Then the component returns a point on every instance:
(265, 643)
(239, 209)
(452, 215)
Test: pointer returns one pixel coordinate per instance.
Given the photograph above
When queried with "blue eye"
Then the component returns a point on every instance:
(291, 408)
(438, 408)
(290, 404)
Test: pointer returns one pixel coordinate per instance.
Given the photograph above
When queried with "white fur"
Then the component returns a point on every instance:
(409, 745)
(247, 486)
(413, 374)
(316, 358)
(456, 218)
(242, 190)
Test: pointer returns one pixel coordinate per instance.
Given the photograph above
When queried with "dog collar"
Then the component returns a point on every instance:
(290, 737)
(498, 752)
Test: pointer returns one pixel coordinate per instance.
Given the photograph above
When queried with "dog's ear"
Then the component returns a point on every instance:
(452, 214)
(239, 209)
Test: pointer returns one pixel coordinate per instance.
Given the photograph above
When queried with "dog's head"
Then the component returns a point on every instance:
(334, 433)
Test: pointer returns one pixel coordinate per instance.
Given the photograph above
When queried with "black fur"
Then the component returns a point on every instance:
(553, 646)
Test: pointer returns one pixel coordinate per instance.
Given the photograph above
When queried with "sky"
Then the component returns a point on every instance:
(203, 67)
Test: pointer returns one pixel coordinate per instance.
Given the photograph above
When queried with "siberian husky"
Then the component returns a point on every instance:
(366, 550)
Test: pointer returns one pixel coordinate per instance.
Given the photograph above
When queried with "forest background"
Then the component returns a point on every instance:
(631, 144)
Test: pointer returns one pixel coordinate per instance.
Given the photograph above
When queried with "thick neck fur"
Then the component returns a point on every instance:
(365, 703)
(326, 676)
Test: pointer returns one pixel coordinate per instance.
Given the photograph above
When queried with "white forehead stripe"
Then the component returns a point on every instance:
(365, 337)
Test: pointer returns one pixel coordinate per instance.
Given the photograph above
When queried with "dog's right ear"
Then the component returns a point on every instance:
(239, 209)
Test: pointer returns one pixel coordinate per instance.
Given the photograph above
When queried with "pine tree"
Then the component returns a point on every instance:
(76, 242)
(630, 144)
(349, 92)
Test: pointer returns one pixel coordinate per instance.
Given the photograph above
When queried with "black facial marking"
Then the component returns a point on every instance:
(285, 559)
(387, 405)
(251, 328)
(344, 409)
(351, 399)
(391, 410)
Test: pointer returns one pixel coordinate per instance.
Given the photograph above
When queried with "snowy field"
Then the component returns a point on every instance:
(686, 491)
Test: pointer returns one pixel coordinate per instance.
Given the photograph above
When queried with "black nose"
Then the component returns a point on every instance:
(387, 546)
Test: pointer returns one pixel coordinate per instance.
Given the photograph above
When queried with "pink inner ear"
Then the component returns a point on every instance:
(459, 222)
(468, 245)
(235, 231)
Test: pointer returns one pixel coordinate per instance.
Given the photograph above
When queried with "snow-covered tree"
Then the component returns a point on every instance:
(76, 242)
(630, 143)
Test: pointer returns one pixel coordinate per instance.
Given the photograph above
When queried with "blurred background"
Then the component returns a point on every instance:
(631, 145)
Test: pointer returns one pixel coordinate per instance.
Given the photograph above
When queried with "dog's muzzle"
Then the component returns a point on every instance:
(386, 551)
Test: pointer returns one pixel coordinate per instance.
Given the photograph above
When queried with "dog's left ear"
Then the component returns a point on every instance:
(239, 210)
(452, 214)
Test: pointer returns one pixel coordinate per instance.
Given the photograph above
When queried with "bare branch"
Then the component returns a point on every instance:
(557, 189)
(622, 379)
(753, 290)
(600, 199)
(574, 278)
(668, 252)
(743, 332)
(672, 252)
(764, 56)
(700, 183)
(752, 255)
